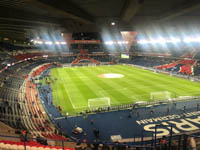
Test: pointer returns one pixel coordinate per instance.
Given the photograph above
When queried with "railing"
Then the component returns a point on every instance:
(173, 142)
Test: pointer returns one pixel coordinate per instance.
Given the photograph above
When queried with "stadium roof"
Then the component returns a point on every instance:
(21, 18)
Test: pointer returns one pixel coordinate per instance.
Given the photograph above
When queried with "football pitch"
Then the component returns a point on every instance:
(73, 86)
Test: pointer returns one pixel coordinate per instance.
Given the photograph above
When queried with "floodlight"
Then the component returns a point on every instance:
(63, 43)
(109, 42)
(142, 41)
(119, 42)
(112, 23)
(39, 42)
(174, 40)
(187, 40)
(57, 43)
(49, 43)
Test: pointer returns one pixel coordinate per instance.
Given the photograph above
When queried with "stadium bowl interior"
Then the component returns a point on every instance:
(115, 74)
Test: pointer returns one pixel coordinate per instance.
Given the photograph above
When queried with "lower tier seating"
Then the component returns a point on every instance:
(30, 145)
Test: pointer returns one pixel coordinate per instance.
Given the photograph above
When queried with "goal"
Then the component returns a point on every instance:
(98, 102)
(162, 95)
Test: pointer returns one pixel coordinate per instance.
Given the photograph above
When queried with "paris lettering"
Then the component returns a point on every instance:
(180, 123)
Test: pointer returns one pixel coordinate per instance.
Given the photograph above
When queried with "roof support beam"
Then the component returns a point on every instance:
(180, 10)
(24, 17)
(15, 26)
(130, 9)
(27, 21)
(65, 9)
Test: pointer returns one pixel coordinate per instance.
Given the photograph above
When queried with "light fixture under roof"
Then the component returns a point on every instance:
(113, 23)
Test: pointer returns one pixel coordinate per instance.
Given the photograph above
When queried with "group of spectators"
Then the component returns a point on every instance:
(100, 146)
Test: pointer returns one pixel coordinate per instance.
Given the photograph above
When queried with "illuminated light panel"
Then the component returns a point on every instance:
(174, 40)
(114, 42)
(57, 43)
(63, 43)
(109, 42)
(113, 23)
(143, 42)
(49, 43)
(39, 42)
(190, 39)
(159, 41)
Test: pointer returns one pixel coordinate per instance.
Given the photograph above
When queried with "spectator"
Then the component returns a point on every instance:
(175, 104)
(96, 132)
(95, 146)
(106, 147)
(78, 146)
(184, 108)
(191, 143)
(91, 121)
(100, 147)
(129, 148)
(174, 146)
(168, 109)
(88, 147)
(137, 113)
(163, 143)
(129, 115)
(152, 111)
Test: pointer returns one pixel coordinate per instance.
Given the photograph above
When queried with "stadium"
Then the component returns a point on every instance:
(99, 75)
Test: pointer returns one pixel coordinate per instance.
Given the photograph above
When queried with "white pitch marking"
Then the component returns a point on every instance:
(69, 95)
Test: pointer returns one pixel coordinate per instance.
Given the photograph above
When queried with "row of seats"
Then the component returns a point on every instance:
(20, 106)
(182, 66)
(85, 59)
(187, 69)
(30, 145)
(40, 70)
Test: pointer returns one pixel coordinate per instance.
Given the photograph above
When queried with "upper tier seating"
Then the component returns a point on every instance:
(183, 66)
(147, 62)
(85, 59)
(187, 69)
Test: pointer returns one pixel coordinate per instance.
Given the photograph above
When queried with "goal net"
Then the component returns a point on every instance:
(162, 95)
(91, 65)
(98, 102)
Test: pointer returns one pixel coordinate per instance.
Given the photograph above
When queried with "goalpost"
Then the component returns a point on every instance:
(98, 102)
(162, 95)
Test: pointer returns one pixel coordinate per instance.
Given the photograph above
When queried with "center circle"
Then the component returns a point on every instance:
(111, 75)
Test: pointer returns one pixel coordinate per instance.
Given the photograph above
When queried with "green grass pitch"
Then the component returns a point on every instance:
(74, 86)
